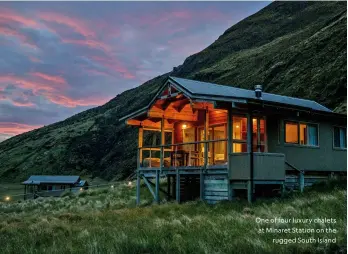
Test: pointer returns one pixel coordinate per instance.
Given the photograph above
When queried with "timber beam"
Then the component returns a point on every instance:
(173, 114)
(150, 123)
(148, 184)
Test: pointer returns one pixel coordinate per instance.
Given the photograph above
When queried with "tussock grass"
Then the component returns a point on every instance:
(107, 221)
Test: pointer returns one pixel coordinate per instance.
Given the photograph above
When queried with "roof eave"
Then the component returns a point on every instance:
(299, 108)
(134, 114)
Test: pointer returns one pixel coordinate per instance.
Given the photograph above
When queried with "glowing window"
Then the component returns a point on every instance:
(240, 128)
(291, 132)
(301, 133)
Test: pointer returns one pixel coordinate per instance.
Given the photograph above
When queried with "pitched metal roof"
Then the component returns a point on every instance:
(198, 88)
(39, 179)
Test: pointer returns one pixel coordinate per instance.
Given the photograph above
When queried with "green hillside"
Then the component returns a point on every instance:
(291, 48)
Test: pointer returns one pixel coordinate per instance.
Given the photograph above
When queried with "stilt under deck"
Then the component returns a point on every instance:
(187, 183)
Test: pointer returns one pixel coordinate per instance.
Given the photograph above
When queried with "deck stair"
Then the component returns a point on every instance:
(215, 189)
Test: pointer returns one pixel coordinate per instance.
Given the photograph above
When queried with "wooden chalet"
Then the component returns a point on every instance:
(52, 186)
(219, 142)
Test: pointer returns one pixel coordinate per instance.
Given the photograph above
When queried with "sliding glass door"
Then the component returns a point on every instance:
(240, 134)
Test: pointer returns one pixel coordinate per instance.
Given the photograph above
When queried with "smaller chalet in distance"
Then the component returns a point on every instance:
(219, 142)
(52, 186)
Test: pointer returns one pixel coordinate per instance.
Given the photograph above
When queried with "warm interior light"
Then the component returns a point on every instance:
(184, 126)
(237, 126)
(7, 198)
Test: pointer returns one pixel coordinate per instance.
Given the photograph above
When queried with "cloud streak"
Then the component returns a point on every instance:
(12, 129)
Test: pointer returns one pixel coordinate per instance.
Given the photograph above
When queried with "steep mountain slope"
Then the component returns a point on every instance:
(292, 48)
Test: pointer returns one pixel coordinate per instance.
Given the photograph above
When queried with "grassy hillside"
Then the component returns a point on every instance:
(106, 221)
(291, 48)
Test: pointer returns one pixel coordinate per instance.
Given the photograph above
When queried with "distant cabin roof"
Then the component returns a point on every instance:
(40, 179)
(198, 88)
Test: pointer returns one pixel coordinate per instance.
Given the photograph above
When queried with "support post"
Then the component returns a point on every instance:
(173, 192)
(168, 187)
(162, 144)
(301, 181)
(25, 192)
(283, 190)
(206, 145)
(140, 144)
(178, 186)
(138, 189)
(229, 151)
(158, 172)
(157, 186)
(139, 158)
(201, 185)
(250, 152)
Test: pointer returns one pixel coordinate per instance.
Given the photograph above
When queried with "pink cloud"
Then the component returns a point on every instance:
(34, 59)
(114, 66)
(50, 92)
(73, 23)
(22, 104)
(72, 103)
(52, 78)
(89, 43)
(25, 84)
(20, 37)
(16, 128)
(7, 16)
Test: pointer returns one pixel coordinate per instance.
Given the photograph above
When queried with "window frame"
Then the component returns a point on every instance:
(333, 138)
(245, 141)
(299, 134)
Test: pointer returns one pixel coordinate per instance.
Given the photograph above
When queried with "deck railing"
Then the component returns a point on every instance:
(196, 153)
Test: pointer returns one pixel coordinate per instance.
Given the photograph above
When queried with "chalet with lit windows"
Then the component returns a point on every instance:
(52, 186)
(217, 142)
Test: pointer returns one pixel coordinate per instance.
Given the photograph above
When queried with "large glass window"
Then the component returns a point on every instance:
(219, 132)
(240, 128)
(240, 134)
(340, 137)
(301, 133)
(258, 139)
(217, 151)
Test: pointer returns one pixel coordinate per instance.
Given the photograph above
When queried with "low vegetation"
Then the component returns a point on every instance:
(107, 221)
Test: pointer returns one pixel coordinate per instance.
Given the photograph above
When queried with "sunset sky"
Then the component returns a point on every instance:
(58, 59)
